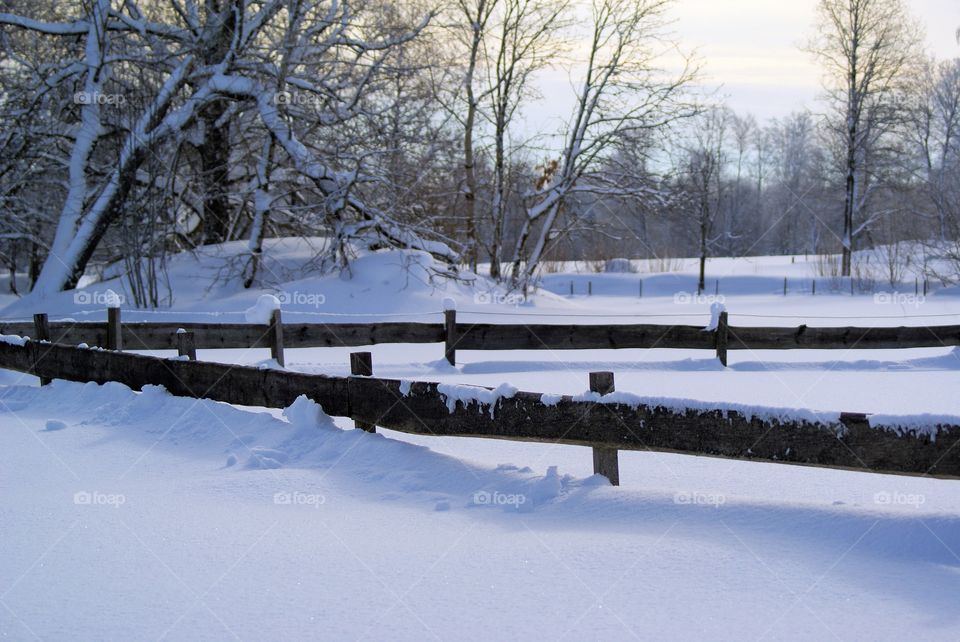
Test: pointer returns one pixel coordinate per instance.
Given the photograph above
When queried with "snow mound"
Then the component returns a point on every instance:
(206, 283)
(307, 414)
(262, 310)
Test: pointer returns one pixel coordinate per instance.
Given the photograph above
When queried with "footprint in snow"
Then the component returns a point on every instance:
(54, 425)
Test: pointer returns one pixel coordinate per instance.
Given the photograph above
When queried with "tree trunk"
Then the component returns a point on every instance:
(262, 203)
(848, 207)
(701, 284)
(469, 160)
(215, 148)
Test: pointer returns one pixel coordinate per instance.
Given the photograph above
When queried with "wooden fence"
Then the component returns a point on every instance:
(477, 336)
(849, 441)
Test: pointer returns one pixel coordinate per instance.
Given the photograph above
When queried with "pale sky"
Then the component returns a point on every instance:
(752, 47)
(751, 50)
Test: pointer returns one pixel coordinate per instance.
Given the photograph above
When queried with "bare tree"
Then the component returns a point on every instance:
(866, 48)
(505, 43)
(705, 158)
(933, 131)
(209, 67)
(622, 92)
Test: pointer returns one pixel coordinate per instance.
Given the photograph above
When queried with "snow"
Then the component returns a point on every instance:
(13, 339)
(715, 309)
(548, 399)
(306, 414)
(920, 424)
(764, 413)
(467, 395)
(262, 310)
(53, 424)
(438, 543)
(112, 299)
(141, 515)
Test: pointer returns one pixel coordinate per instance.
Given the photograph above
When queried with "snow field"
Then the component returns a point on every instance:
(335, 543)
(144, 516)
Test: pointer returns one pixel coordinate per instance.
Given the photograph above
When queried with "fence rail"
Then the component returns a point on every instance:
(485, 336)
(424, 408)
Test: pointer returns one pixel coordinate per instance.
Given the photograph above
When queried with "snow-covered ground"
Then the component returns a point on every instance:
(143, 516)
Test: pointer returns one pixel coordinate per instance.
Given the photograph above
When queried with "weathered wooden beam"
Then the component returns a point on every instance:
(851, 443)
(722, 337)
(159, 336)
(275, 337)
(241, 385)
(747, 338)
(606, 460)
(487, 336)
(361, 365)
(114, 331)
(451, 336)
(186, 344)
(420, 408)
(41, 327)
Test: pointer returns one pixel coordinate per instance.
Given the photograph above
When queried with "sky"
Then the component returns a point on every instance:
(752, 47)
(751, 54)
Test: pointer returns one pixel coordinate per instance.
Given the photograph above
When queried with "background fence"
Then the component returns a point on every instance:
(476, 336)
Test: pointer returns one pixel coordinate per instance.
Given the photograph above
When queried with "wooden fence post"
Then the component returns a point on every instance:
(361, 365)
(41, 329)
(186, 344)
(722, 337)
(114, 329)
(450, 345)
(606, 460)
(275, 334)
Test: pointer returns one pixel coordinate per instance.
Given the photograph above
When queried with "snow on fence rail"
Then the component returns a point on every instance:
(478, 336)
(606, 420)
